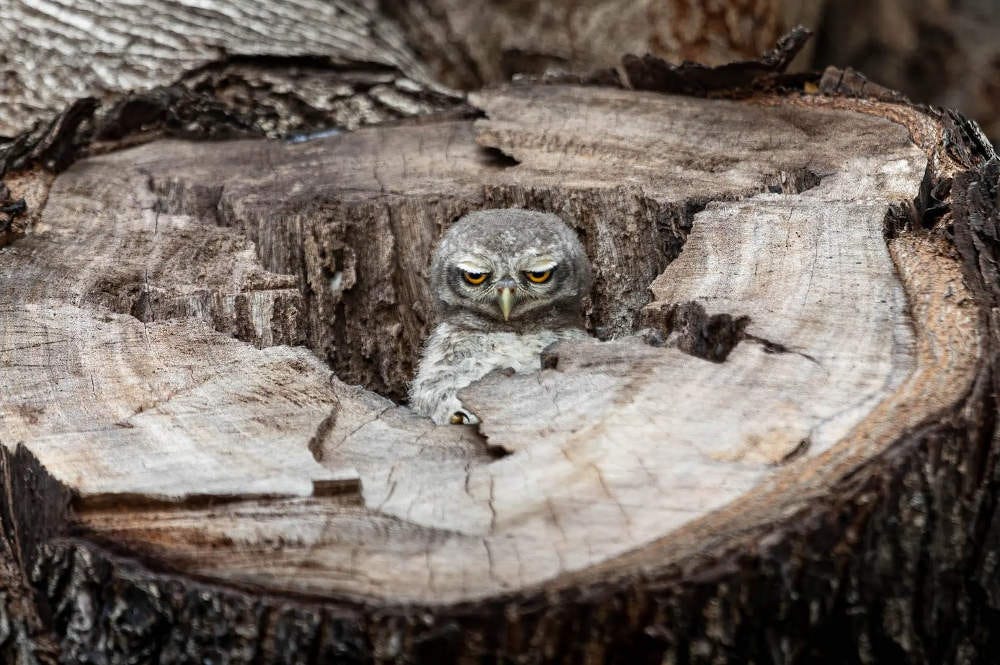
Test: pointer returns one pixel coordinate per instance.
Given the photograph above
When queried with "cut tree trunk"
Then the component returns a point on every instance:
(786, 412)
(779, 446)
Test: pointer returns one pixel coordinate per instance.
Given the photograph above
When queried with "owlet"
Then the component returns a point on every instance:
(506, 284)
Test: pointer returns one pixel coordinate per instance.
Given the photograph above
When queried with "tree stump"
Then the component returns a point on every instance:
(779, 446)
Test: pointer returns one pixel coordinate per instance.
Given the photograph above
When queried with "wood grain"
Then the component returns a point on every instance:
(107, 394)
(780, 445)
(620, 452)
(354, 66)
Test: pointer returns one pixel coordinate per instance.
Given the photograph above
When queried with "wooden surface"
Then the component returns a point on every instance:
(289, 67)
(789, 358)
(621, 449)
(779, 446)
(115, 398)
(313, 65)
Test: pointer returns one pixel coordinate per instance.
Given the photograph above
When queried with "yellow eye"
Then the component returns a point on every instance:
(538, 276)
(474, 278)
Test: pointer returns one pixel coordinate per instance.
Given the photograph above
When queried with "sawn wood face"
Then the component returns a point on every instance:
(152, 306)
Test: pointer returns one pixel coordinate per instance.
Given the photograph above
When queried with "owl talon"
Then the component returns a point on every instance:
(462, 417)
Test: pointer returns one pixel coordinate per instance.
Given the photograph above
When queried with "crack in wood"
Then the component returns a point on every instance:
(688, 327)
(776, 347)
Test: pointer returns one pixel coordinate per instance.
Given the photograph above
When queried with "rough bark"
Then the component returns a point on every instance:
(284, 68)
(311, 66)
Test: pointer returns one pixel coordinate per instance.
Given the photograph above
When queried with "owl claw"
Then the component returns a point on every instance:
(463, 417)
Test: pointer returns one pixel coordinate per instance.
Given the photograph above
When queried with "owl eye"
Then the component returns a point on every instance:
(474, 278)
(538, 276)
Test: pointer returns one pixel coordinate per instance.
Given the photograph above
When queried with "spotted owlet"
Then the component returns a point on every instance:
(506, 284)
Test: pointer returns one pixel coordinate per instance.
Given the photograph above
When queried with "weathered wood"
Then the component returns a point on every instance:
(84, 371)
(24, 637)
(780, 447)
(783, 228)
(287, 68)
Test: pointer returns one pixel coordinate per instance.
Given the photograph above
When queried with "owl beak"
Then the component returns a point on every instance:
(505, 297)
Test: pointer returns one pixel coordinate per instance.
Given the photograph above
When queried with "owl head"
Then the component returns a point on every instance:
(508, 269)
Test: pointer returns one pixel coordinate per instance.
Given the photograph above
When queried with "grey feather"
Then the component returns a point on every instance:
(471, 337)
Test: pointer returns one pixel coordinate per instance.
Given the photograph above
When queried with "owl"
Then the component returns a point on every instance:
(506, 284)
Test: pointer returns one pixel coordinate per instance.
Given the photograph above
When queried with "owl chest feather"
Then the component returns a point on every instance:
(471, 351)
(454, 358)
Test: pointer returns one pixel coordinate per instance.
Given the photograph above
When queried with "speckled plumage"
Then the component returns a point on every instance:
(472, 337)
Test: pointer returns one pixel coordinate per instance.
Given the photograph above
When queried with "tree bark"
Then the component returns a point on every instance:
(282, 68)
(780, 445)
